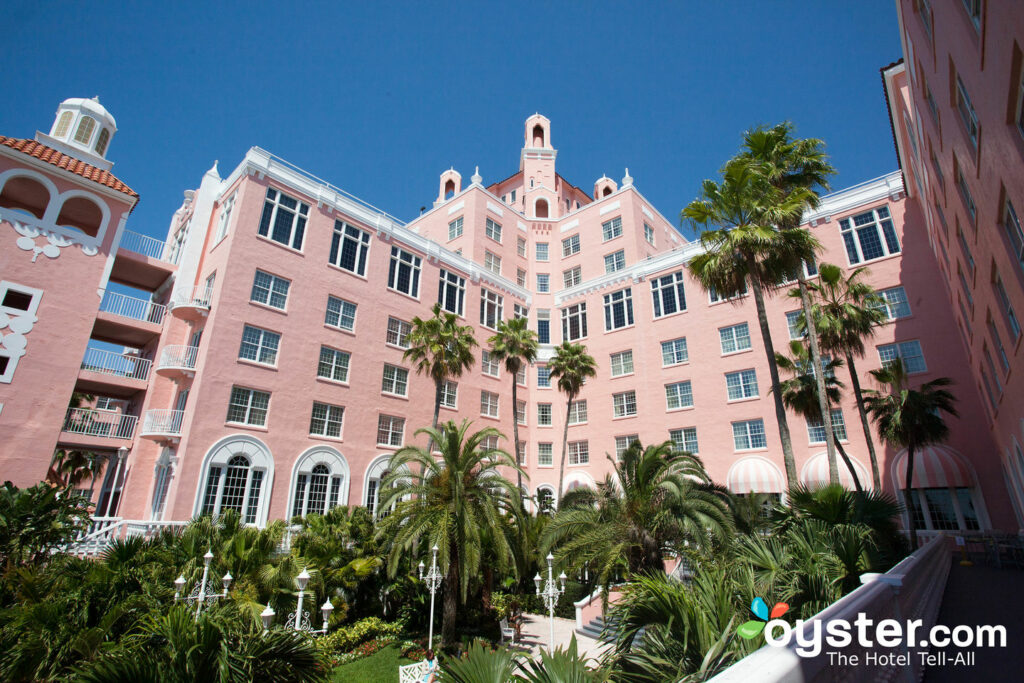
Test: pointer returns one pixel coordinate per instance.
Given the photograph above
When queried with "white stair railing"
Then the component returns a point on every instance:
(103, 423)
(117, 364)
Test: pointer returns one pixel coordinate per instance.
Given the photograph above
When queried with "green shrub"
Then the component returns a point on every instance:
(348, 637)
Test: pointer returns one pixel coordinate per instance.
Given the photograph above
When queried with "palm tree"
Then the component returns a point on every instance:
(800, 392)
(846, 312)
(451, 502)
(909, 418)
(743, 246)
(72, 467)
(571, 365)
(517, 345)
(657, 498)
(797, 166)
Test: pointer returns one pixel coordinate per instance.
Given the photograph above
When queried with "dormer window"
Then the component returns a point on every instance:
(63, 124)
(85, 129)
(102, 141)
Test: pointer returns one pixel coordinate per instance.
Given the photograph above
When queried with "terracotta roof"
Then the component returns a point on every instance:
(68, 163)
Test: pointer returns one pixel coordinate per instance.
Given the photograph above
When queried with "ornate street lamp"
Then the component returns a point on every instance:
(551, 593)
(203, 593)
(298, 619)
(267, 615)
(433, 579)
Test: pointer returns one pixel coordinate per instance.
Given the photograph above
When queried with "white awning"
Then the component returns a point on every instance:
(815, 472)
(755, 474)
(934, 467)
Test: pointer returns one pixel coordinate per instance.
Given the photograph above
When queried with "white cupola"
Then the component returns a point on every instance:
(83, 128)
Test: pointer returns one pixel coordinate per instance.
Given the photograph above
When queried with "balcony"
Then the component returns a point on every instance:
(112, 374)
(140, 262)
(191, 304)
(127, 320)
(177, 360)
(162, 425)
(87, 428)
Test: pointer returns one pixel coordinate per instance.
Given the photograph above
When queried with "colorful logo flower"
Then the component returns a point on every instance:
(759, 607)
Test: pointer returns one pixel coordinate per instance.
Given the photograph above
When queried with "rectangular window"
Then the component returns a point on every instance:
(571, 245)
(714, 297)
(544, 451)
(973, 8)
(491, 304)
(572, 277)
(742, 384)
(390, 430)
(1007, 309)
(349, 248)
(869, 235)
(340, 314)
(520, 312)
(611, 229)
(451, 292)
(544, 414)
(512, 196)
(259, 345)
(574, 322)
(816, 428)
(404, 272)
(895, 303)
(326, 419)
(925, 12)
(333, 364)
(684, 439)
(489, 365)
(748, 435)
(449, 394)
(543, 283)
(543, 326)
(520, 277)
(492, 230)
(521, 453)
(992, 371)
(965, 249)
(492, 262)
(248, 406)
(623, 442)
(521, 247)
(579, 453)
(225, 217)
(966, 109)
(997, 342)
(618, 309)
(965, 194)
(668, 294)
(909, 352)
(521, 412)
(1012, 226)
(270, 290)
(673, 352)
(521, 376)
(398, 333)
(543, 376)
(649, 234)
(490, 443)
(488, 404)
(455, 228)
(624, 404)
(622, 363)
(793, 320)
(578, 412)
(615, 261)
(965, 288)
(542, 251)
(284, 219)
(679, 395)
(395, 380)
(735, 338)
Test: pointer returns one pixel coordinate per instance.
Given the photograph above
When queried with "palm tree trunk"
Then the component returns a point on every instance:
(515, 432)
(876, 478)
(907, 492)
(437, 412)
(819, 378)
(565, 446)
(849, 463)
(451, 591)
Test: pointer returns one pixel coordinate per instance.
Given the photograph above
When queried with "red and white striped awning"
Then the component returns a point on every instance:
(815, 472)
(754, 474)
(934, 467)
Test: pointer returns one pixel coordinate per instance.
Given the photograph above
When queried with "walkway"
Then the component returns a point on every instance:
(536, 635)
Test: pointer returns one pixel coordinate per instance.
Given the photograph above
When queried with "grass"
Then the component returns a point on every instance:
(380, 667)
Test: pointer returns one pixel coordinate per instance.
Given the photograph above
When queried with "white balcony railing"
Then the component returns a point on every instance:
(162, 422)
(104, 423)
(133, 308)
(102, 531)
(178, 356)
(197, 297)
(117, 364)
(143, 244)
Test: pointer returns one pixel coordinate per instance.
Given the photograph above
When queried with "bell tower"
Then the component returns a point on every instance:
(537, 163)
(82, 128)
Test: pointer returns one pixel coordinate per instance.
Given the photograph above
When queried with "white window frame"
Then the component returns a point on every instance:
(624, 404)
(544, 415)
(579, 452)
(622, 363)
(967, 114)
(386, 424)
(543, 283)
(838, 428)
(668, 289)
(622, 442)
(674, 352)
(649, 234)
(267, 343)
(342, 314)
(333, 420)
(683, 437)
(903, 350)
(571, 245)
(572, 277)
(455, 228)
(679, 393)
(749, 435)
(611, 229)
(488, 365)
(895, 302)
(617, 262)
(249, 406)
(491, 308)
(741, 385)
(337, 362)
(492, 262)
(521, 247)
(492, 229)
(394, 381)
(618, 307)
(545, 454)
(398, 332)
(405, 263)
(452, 285)
(490, 403)
(574, 316)
(881, 222)
(578, 412)
(224, 218)
(542, 251)
(733, 338)
(272, 207)
(347, 236)
(277, 286)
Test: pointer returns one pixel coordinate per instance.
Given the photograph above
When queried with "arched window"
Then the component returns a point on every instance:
(81, 214)
(375, 474)
(449, 189)
(63, 123)
(545, 500)
(238, 474)
(25, 194)
(320, 482)
(102, 140)
(607, 191)
(85, 128)
(538, 136)
(541, 208)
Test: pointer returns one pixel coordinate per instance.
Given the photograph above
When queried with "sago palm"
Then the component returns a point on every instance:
(515, 345)
(571, 365)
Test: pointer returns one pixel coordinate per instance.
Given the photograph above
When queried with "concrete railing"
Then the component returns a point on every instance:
(143, 244)
(117, 364)
(103, 423)
(592, 606)
(131, 307)
(104, 530)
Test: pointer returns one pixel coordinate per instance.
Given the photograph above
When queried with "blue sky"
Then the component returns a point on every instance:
(379, 98)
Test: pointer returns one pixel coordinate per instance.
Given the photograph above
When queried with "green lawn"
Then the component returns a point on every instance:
(380, 667)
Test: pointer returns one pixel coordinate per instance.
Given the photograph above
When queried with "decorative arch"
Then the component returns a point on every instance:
(27, 192)
(815, 471)
(945, 494)
(577, 479)
(375, 471)
(320, 481)
(538, 135)
(548, 491)
(82, 212)
(540, 208)
(237, 474)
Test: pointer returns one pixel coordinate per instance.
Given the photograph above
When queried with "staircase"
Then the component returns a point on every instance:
(594, 630)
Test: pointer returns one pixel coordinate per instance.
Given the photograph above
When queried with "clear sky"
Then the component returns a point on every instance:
(379, 97)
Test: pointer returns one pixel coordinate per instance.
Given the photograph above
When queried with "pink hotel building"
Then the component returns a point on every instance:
(253, 360)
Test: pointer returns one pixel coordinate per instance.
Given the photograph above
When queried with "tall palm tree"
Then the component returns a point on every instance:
(451, 502)
(847, 311)
(797, 166)
(516, 345)
(571, 365)
(441, 349)
(742, 245)
(909, 418)
(657, 498)
(800, 392)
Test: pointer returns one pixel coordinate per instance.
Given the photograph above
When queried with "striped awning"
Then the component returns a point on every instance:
(934, 467)
(754, 474)
(815, 472)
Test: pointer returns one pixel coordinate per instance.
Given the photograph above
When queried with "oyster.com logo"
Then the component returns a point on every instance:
(751, 629)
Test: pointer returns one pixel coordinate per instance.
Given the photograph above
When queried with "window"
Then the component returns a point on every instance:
(649, 234)
(488, 404)
(224, 217)
(284, 219)
(106, 403)
(333, 364)
(236, 485)
(973, 8)
(102, 140)
(965, 249)
(270, 290)
(571, 277)
(1005, 307)
(455, 228)
(965, 194)
(735, 338)
(544, 458)
(965, 288)
(615, 261)
(622, 363)
(543, 326)
(668, 294)
(451, 292)
(571, 245)
(521, 247)
(390, 430)
(544, 283)
(520, 276)
(85, 128)
(542, 251)
(578, 412)
(574, 322)
(512, 196)
(1011, 224)
(63, 124)
(543, 376)
(326, 420)
(492, 262)
(894, 302)
(544, 414)
(684, 439)
(909, 352)
(319, 482)
(398, 333)
(521, 412)
(579, 453)
(623, 442)
(449, 394)
(742, 384)
(340, 314)
(492, 230)
(611, 229)
(748, 435)
(490, 308)
(488, 364)
(966, 109)
(248, 406)
(816, 428)
(395, 380)
(349, 247)
(618, 309)
(991, 366)
(624, 404)
(259, 345)
(404, 273)
(793, 322)
(673, 352)
(869, 235)
(521, 453)
(521, 376)
(679, 395)
(997, 341)
(714, 297)
(520, 312)
(925, 11)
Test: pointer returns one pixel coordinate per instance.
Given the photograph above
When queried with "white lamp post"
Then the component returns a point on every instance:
(433, 579)
(299, 620)
(551, 593)
(267, 615)
(203, 592)
(325, 610)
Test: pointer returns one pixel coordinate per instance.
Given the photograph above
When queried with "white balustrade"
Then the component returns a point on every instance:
(197, 297)
(143, 244)
(117, 364)
(103, 423)
(163, 422)
(178, 356)
(132, 307)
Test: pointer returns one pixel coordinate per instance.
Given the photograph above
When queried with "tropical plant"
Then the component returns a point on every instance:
(909, 418)
(451, 502)
(72, 467)
(479, 664)
(515, 345)
(571, 365)
(564, 665)
(38, 520)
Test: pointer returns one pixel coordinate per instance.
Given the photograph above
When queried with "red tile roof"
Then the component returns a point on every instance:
(68, 163)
